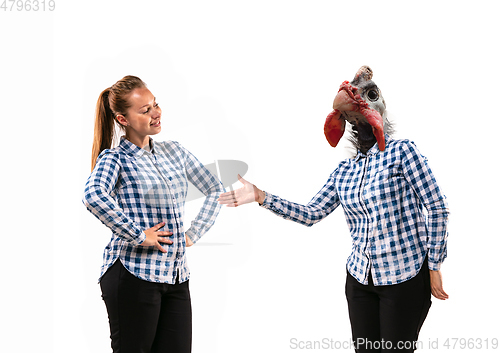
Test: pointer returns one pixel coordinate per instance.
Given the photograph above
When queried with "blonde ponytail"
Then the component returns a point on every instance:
(112, 101)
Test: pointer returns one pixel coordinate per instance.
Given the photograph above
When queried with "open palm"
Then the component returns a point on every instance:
(246, 194)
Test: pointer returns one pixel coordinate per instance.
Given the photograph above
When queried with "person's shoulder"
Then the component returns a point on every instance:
(407, 149)
(107, 159)
(169, 145)
(109, 154)
(343, 167)
(402, 145)
(346, 162)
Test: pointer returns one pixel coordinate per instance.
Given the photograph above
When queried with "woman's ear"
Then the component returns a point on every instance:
(121, 119)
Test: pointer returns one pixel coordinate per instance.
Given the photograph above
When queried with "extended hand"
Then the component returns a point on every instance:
(437, 285)
(246, 194)
(154, 237)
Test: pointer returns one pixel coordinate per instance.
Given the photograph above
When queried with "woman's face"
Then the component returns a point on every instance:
(143, 117)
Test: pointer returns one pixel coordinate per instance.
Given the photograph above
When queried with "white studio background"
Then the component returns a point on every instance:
(251, 81)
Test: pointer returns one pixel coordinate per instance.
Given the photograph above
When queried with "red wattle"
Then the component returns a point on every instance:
(334, 127)
(375, 120)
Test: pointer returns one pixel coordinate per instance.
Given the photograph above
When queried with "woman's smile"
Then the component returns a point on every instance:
(156, 123)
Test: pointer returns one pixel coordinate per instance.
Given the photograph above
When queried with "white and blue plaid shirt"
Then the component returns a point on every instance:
(394, 208)
(131, 190)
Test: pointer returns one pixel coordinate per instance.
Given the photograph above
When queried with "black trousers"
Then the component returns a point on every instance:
(146, 317)
(388, 318)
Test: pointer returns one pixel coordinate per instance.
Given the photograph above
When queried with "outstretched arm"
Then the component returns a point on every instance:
(321, 205)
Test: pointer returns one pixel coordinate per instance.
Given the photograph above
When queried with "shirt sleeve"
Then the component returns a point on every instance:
(320, 206)
(420, 177)
(211, 187)
(98, 200)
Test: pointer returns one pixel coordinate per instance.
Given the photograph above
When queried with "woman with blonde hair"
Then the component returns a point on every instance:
(138, 190)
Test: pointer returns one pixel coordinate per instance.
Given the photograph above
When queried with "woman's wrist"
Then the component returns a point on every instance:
(261, 196)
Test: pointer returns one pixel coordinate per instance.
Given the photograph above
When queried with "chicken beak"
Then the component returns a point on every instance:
(335, 123)
(343, 101)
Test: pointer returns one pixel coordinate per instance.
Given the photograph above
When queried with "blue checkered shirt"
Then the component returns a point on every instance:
(131, 190)
(394, 208)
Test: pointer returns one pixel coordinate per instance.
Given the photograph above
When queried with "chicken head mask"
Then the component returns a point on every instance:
(359, 102)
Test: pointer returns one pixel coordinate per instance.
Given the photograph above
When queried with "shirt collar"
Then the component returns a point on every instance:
(374, 150)
(134, 150)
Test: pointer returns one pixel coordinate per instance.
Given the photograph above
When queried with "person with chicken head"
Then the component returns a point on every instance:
(396, 213)
(138, 191)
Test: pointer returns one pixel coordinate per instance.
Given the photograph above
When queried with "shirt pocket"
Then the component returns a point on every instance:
(386, 184)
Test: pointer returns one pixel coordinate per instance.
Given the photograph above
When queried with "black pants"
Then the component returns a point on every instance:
(146, 316)
(388, 318)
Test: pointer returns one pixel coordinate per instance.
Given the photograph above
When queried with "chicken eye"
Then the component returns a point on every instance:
(372, 95)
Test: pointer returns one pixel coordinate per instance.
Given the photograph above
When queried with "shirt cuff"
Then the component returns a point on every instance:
(139, 240)
(267, 200)
(194, 238)
(434, 266)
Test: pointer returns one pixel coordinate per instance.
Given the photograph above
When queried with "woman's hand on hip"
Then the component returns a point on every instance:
(246, 194)
(154, 237)
(437, 285)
